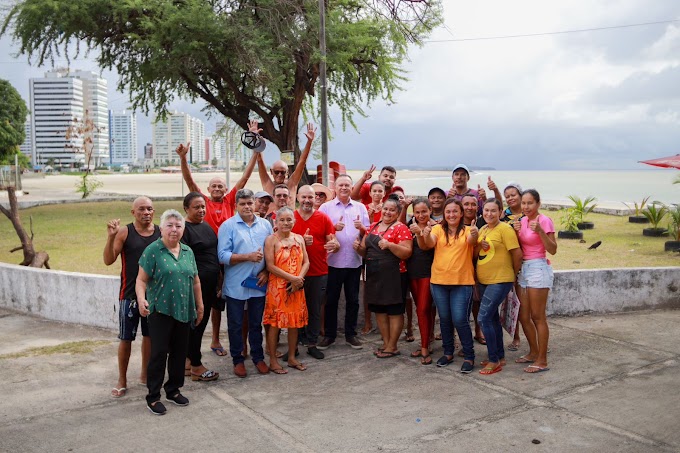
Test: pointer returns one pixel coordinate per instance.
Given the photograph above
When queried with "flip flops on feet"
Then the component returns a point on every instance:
(206, 376)
(278, 370)
(426, 360)
(535, 369)
(219, 351)
(387, 354)
(524, 359)
(512, 347)
(491, 369)
(118, 393)
(297, 366)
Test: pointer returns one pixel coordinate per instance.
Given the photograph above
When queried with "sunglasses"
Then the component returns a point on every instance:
(279, 172)
(320, 194)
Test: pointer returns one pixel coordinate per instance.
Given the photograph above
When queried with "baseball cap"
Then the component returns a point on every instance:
(461, 166)
(263, 194)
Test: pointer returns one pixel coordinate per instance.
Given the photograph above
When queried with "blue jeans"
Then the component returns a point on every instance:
(453, 304)
(492, 296)
(235, 325)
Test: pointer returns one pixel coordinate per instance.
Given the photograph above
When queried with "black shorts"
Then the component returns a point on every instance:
(390, 310)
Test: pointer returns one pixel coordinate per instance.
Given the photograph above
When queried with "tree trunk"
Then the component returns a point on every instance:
(31, 258)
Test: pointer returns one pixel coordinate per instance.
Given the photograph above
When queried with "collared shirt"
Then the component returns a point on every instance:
(346, 257)
(236, 236)
(171, 280)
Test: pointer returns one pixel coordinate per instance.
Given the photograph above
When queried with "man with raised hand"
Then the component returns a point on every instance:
(219, 206)
(318, 232)
(362, 189)
(459, 189)
(129, 242)
(350, 220)
(240, 248)
(279, 170)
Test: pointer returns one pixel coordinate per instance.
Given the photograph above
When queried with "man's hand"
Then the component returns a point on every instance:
(254, 126)
(356, 244)
(490, 184)
(357, 224)
(481, 192)
(309, 239)
(112, 227)
(333, 245)
(340, 225)
(368, 174)
(183, 150)
(451, 193)
(262, 277)
(311, 132)
(256, 257)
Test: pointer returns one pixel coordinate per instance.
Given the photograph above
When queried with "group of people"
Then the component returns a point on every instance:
(280, 257)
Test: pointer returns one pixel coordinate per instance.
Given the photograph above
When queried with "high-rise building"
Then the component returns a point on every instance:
(178, 128)
(26, 146)
(60, 100)
(123, 137)
(148, 151)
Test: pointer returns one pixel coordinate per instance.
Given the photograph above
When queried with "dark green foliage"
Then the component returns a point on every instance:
(13, 113)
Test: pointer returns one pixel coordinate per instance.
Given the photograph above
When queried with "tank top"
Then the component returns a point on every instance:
(132, 250)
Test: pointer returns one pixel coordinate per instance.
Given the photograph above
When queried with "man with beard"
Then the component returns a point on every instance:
(362, 189)
(129, 242)
(318, 232)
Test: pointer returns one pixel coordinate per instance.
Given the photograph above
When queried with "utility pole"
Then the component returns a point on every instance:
(324, 99)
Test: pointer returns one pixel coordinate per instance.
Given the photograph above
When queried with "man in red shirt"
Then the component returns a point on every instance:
(219, 206)
(362, 188)
(318, 231)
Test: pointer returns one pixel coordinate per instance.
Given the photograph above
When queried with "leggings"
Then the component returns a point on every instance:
(420, 290)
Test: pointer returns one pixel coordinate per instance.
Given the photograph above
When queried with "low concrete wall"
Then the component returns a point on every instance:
(92, 299)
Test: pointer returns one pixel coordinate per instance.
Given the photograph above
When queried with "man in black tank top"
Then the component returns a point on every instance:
(129, 242)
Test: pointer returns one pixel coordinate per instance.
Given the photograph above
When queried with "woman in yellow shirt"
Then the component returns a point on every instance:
(452, 279)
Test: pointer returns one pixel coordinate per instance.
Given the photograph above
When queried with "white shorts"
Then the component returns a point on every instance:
(536, 274)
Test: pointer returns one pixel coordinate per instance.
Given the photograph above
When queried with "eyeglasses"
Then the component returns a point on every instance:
(279, 172)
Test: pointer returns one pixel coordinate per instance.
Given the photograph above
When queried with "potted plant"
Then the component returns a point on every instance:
(655, 213)
(638, 217)
(581, 209)
(569, 222)
(673, 229)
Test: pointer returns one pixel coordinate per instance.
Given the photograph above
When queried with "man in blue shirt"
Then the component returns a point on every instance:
(240, 245)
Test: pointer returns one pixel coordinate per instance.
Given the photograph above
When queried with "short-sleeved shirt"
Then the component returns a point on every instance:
(419, 265)
(508, 216)
(452, 263)
(216, 213)
(346, 257)
(532, 246)
(319, 226)
(365, 193)
(495, 264)
(474, 193)
(395, 234)
(203, 242)
(170, 289)
(236, 236)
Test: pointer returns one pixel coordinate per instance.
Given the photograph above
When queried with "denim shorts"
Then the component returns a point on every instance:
(128, 320)
(536, 274)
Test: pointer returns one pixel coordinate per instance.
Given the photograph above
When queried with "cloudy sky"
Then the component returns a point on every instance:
(585, 100)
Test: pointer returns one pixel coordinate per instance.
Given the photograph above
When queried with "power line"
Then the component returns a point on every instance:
(528, 35)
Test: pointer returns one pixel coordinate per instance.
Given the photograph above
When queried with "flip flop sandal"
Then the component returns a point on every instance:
(531, 369)
(512, 347)
(487, 371)
(378, 351)
(523, 359)
(206, 376)
(298, 366)
(278, 370)
(417, 353)
(426, 360)
(387, 355)
(220, 352)
(118, 393)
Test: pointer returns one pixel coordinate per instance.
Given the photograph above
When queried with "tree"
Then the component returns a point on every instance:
(31, 257)
(13, 113)
(82, 130)
(245, 58)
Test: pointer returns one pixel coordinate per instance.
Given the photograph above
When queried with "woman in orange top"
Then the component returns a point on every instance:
(285, 306)
(452, 279)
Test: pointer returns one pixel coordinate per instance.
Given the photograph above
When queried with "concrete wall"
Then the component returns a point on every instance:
(92, 299)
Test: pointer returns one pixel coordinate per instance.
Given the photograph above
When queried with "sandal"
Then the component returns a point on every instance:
(219, 351)
(387, 355)
(206, 376)
(409, 338)
(512, 347)
(298, 366)
(118, 393)
(417, 353)
(426, 360)
(491, 370)
(278, 370)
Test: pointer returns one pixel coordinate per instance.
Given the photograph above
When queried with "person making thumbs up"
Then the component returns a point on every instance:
(459, 189)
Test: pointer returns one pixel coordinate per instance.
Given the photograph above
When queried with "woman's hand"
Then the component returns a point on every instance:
(415, 229)
(384, 244)
(535, 226)
(199, 314)
(485, 245)
(143, 307)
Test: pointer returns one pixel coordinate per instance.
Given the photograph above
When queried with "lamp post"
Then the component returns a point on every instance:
(324, 98)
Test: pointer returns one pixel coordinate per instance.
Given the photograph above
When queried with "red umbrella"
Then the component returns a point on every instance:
(665, 162)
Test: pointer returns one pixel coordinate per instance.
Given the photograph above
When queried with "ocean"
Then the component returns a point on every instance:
(611, 188)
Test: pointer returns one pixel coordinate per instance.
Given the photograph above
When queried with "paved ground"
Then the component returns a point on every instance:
(613, 386)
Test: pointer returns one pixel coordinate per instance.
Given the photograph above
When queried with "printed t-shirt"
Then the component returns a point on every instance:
(171, 280)
(395, 234)
(532, 246)
(452, 263)
(366, 193)
(320, 226)
(217, 212)
(495, 264)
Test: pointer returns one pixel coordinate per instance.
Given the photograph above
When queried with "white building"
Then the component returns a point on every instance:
(123, 137)
(178, 128)
(26, 147)
(59, 100)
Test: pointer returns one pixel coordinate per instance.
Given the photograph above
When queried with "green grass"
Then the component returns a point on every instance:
(74, 236)
(72, 347)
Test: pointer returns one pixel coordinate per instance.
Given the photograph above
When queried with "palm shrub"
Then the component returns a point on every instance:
(655, 213)
(582, 207)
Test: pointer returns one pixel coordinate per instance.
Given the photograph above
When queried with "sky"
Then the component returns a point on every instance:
(601, 99)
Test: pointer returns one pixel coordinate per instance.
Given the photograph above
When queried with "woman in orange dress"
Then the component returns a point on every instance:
(285, 306)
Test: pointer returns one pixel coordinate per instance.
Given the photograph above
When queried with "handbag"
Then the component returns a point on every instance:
(251, 282)
(510, 312)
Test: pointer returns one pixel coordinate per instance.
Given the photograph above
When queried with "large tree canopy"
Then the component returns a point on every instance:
(242, 57)
(13, 113)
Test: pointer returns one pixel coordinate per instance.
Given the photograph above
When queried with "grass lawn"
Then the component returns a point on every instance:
(74, 236)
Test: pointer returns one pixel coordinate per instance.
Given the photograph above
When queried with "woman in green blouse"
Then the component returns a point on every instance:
(169, 294)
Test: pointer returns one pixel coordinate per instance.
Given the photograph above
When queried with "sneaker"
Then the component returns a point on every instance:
(178, 399)
(354, 343)
(444, 361)
(467, 367)
(325, 343)
(314, 352)
(157, 408)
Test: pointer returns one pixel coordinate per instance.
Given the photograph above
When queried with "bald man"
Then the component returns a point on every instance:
(219, 207)
(129, 242)
(279, 170)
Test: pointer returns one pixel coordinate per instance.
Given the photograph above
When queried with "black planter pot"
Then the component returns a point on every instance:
(570, 234)
(585, 225)
(654, 232)
(638, 219)
(672, 246)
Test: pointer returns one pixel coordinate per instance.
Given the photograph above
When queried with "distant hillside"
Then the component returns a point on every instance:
(440, 168)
